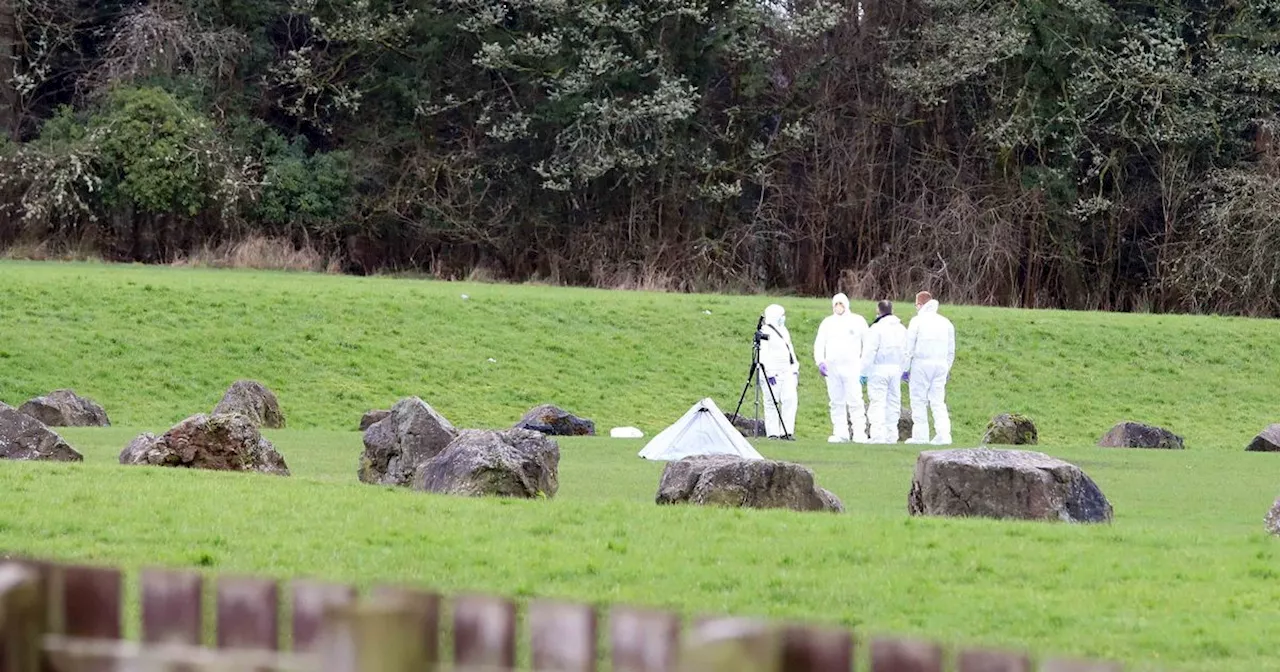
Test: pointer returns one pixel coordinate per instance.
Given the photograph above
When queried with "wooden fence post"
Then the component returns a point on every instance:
(642, 640)
(484, 632)
(813, 649)
(732, 645)
(172, 607)
(421, 608)
(91, 602)
(248, 616)
(563, 637)
(20, 619)
(311, 600)
(378, 636)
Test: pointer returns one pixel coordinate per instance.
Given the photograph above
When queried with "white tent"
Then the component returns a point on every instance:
(703, 430)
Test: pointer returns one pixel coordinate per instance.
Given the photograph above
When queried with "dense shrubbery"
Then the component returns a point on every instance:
(1074, 153)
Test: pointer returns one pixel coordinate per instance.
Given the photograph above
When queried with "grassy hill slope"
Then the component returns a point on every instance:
(154, 345)
(1184, 578)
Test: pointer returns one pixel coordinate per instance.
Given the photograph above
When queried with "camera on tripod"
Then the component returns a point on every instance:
(760, 335)
(754, 376)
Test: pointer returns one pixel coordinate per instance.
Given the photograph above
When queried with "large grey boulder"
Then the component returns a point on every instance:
(1138, 435)
(748, 427)
(728, 480)
(483, 462)
(1267, 441)
(555, 421)
(1272, 521)
(254, 401)
(64, 408)
(992, 483)
(395, 446)
(22, 437)
(218, 442)
(1011, 429)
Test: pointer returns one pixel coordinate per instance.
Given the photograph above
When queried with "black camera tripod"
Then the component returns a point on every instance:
(752, 378)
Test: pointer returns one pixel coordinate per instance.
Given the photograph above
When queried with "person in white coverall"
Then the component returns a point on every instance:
(837, 350)
(931, 349)
(882, 355)
(781, 372)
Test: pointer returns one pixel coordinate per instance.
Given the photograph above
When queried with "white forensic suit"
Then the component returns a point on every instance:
(931, 349)
(837, 350)
(882, 355)
(778, 358)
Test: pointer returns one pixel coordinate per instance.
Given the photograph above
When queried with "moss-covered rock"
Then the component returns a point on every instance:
(1012, 429)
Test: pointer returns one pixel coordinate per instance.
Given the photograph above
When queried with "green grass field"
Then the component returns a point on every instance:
(1183, 579)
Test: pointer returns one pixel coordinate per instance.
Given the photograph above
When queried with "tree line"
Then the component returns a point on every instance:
(1083, 154)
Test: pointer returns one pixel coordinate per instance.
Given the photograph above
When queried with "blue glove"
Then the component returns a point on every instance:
(906, 376)
(773, 380)
(862, 380)
(822, 369)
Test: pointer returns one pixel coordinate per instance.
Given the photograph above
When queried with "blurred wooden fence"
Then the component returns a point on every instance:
(69, 618)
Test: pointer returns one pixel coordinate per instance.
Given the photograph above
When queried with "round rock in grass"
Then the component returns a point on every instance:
(1138, 435)
(64, 408)
(395, 446)
(748, 427)
(1011, 429)
(254, 401)
(556, 421)
(22, 437)
(990, 483)
(370, 417)
(1267, 441)
(728, 480)
(219, 442)
(483, 462)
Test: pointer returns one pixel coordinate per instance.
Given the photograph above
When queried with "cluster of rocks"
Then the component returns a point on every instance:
(228, 439)
(413, 446)
(23, 437)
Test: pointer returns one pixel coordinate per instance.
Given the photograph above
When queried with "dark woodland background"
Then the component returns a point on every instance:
(1080, 154)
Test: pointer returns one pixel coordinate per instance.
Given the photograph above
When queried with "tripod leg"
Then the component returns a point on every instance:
(750, 373)
(777, 407)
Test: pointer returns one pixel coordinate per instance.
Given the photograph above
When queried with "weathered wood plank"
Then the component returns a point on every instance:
(91, 602)
(563, 637)
(310, 600)
(172, 607)
(20, 618)
(421, 607)
(902, 655)
(484, 631)
(74, 655)
(643, 640)
(248, 616)
(814, 649)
